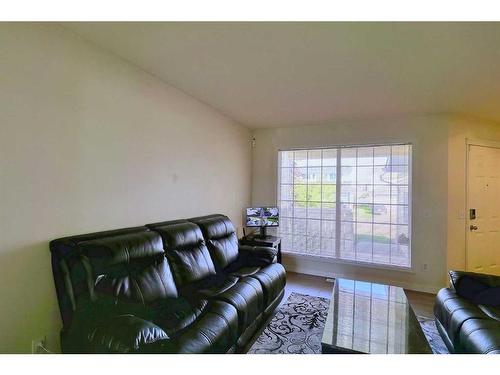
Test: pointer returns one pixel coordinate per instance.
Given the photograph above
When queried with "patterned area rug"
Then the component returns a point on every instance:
(298, 325)
(296, 328)
(432, 335)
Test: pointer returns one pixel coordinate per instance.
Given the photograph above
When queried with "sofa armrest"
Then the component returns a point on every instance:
(118, 334)
(258, 255)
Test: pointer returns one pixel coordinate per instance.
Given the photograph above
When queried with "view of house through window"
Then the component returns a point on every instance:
(348, 203)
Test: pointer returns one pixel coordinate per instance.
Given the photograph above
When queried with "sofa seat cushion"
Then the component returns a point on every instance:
(176, 314)
(98, 331)
(243, 271)
(124, 334)
(214, 286)
(272, 279)
(481, 336)
(171, 314)
(491, 311)
(248, 299)
(215, 331)
(209, 287)
(258, 255)
(240, 268)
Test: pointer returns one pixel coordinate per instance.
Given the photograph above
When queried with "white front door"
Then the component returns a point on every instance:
(483, 211)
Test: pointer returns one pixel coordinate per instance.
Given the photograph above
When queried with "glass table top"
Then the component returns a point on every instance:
(365, 317)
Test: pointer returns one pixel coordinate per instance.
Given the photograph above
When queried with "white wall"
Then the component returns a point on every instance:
(462, 128)
(89, 142)
(429, 136)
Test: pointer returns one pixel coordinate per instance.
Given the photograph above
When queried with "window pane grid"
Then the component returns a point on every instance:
(349, 203)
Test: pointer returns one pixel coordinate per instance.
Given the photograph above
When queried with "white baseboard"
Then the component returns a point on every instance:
(317, 268)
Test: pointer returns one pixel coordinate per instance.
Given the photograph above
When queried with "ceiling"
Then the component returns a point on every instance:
(288, 74)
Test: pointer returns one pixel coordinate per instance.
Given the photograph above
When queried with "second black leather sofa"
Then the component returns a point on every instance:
(468, 313)
(183, 286)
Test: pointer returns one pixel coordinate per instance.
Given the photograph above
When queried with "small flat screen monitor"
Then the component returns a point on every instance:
(262, 217)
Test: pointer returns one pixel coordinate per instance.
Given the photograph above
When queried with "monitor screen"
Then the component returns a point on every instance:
(262, 217)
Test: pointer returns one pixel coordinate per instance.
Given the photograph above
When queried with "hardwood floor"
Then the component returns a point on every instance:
(422, 303)
(307, 284)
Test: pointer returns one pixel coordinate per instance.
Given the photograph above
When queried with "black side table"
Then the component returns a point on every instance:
(269, 241)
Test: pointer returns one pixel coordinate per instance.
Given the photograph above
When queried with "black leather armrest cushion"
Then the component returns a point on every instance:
(123, 334)
(257, 255)
(478, 288)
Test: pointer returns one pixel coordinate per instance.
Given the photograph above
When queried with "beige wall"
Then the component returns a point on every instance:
(429, 136)
(462, 128)
(88, 142)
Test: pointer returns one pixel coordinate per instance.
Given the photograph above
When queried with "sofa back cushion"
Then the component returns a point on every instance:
(187, 252)
(488, 297)
(129, 268)
(70, 277)
(221, 239)
(481, 289)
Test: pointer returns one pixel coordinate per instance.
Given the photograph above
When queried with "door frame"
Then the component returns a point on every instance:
(472, 142)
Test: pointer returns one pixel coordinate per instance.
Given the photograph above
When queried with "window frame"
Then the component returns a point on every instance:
(336, 259)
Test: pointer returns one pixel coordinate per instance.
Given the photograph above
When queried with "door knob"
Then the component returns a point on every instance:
(473, 227)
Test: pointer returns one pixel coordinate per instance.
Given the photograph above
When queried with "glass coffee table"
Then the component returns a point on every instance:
(371, 318)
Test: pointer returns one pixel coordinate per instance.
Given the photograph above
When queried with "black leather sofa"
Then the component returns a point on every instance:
(183, 286)
(468, 313)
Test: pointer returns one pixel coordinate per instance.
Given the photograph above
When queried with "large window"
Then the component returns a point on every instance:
(348, 203)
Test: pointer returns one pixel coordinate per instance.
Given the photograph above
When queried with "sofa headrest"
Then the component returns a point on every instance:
(128, 268)
(187, 252)
(106, 254)
(216, 227)
(180, 236)
(65, 246)
(160, 224)
(205, 217)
